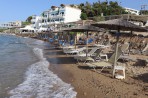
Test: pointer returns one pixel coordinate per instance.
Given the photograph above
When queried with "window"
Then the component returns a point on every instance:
(48, 20)
(61, 19)
(62, 13)
(56, 19)
(52, 20)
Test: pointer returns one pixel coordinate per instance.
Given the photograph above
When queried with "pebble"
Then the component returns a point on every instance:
(146, 94)
(84, 93)
(145, 88)
(107, 93)
(72, 80)
(135, 93)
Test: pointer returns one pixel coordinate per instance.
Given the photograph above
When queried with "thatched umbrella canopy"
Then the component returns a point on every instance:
(119, 24)
(85, 28)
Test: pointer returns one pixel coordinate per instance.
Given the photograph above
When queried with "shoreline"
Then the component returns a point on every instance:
(90, 84)
(34, 72)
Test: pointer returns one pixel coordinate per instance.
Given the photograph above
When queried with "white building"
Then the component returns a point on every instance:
(56, 15)
(132, 11)
(62, 14)
(13, 24)
(36, 21)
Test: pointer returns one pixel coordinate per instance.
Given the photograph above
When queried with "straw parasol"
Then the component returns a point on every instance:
(85, 28)
(119, 24)
(57, 32)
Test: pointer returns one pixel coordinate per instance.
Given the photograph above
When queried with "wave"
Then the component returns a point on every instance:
(40, 82)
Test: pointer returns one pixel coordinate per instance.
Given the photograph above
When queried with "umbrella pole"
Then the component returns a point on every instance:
(87, 44)
(68, 37)
(116, 53)
(130, 43)
(75, 40)
(58, 38)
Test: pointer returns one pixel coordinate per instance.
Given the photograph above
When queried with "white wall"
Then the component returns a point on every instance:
(132, 11)
(72, 14)
(37, 21)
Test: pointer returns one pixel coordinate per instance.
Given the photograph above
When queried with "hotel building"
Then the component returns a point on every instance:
(56, 15)
(132, 11)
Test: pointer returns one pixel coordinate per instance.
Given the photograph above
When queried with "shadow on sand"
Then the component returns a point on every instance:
(97, 69)
(141, 63)
(62, 60)
(142, 77)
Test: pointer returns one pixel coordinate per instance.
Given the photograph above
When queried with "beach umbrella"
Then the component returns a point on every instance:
(119, 24)
(70, 30)
(85, 28)
(57, 32)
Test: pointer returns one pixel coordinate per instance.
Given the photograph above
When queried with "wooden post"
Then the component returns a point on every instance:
(87, 44)
(116, 52)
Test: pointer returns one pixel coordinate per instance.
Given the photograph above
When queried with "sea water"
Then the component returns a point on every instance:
(24, 71)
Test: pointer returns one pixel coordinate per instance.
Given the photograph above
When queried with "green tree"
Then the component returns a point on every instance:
(43, 14)
(83, 16)
(25, 23)
(143, 12)
(97, 8)
(29, 19)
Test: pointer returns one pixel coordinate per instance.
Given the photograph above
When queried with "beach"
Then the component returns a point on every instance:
(66, 78)
(90, 84)
(74, 49)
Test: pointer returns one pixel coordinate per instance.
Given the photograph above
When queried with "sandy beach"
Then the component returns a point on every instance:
(90, 84)
(74, 49)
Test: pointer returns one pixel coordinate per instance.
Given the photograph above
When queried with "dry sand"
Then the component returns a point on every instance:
(90, 84)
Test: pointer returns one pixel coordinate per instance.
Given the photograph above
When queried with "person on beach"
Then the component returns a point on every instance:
(81, 40)
(99, 38)
(106, 40)
(96, 39)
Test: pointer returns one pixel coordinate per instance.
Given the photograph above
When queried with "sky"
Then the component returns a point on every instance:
(13, 10)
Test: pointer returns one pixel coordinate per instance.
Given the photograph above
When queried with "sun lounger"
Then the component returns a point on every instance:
(103, 45)
(89, 41)
(125, 48)
(96, 57)
(145, 49)
(91, 53)
(51, 40)
(66, 47)
(105, 64)
(74, 51)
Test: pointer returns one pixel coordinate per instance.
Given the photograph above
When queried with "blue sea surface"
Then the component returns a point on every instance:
(24, 71)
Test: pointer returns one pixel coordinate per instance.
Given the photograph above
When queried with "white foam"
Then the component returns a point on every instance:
(40, 82)
(39, 53)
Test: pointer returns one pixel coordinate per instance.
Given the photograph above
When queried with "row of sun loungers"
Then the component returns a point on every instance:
(95, 55)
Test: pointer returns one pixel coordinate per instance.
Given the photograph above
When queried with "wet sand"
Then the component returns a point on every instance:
(90, 84)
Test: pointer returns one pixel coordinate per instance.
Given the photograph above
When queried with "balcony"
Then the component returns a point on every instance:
(56, 16)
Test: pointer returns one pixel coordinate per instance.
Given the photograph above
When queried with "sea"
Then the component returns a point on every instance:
(24, 72)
